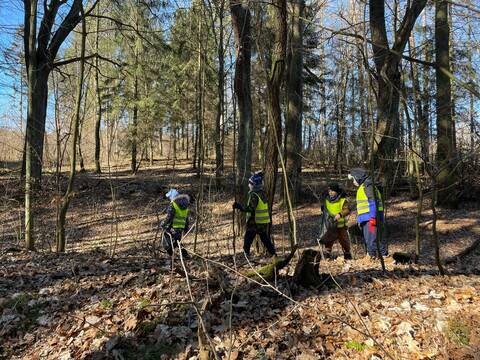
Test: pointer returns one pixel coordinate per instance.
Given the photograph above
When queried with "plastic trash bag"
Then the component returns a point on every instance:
(327, 222)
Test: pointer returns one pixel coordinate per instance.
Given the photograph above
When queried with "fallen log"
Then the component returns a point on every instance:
(270, 271)
(462, 254)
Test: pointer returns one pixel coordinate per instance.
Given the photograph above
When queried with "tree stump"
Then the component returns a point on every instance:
(306, 271)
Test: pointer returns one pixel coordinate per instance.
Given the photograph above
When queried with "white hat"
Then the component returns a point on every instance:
(172, 194)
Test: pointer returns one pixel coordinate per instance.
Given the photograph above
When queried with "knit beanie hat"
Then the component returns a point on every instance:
(256, 178)
(172, 194)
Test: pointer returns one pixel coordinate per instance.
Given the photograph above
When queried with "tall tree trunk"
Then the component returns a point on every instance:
(41, 48)
(424, 125)
(472, 74)
(341, 124)
(274, 112)
(387, 61)
(31, 60)
(242, 84)
(293, 124)
(62, 214)
(98, 100)
(420, 116)
(221, 98)
(134, 132)
(445, 151)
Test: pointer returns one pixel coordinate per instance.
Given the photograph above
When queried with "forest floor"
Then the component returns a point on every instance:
(114, 294)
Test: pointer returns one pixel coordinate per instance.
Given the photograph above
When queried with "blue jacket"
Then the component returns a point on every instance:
(361, 177)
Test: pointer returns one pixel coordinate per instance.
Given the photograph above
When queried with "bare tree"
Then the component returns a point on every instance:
(293, 124)
(387, 60)
(242, 84)
(445, 135)
(274, 82)
(62, 213)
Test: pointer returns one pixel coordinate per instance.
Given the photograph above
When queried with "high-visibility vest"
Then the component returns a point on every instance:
(335, 208)
(362, 200)
(180, 217)
(262, 215)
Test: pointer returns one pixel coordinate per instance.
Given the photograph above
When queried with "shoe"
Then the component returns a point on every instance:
(185, 254)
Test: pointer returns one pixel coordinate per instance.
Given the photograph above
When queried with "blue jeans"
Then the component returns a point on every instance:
(371, 239)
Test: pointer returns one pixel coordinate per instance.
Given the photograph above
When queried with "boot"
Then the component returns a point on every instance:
(185, 254)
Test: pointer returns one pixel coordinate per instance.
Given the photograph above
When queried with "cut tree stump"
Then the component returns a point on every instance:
(306, 271)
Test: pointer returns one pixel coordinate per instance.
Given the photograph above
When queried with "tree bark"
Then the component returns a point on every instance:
(274, 112)
(40, 52)
(30, 58)
(98, 101)
(293, 124)
(221, 99)
(387, 61)
(445, 146)
(60, 231)
(242, 85)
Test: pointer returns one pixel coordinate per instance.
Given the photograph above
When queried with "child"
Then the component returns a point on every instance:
(369, 212)
(337, 207)
(176, 222)
(258, 216)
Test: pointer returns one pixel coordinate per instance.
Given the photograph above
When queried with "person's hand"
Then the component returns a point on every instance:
(338, 216)
(371, 224)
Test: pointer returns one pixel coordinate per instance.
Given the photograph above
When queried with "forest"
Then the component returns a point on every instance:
(214, 179)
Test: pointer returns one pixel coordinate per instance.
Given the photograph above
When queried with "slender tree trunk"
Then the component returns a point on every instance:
(274, 112)
(471, 112)
(134, 134)
(293, 125)
(422, 118)
(445, 152)
(242, 85)
(98, 99)
(82, 122)
(161, 141)
(221, 99)
(68, 194)
(424, 125)
(31, 60)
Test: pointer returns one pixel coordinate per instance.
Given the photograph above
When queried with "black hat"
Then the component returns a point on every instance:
(334, 186)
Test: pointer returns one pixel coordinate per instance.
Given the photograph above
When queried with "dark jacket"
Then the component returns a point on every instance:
(252, 202)
(183, 201)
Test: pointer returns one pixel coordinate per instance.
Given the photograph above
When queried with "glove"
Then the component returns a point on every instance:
(236, 205)
(371, 224)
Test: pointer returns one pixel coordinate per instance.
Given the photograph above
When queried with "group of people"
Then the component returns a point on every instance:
(369, 209)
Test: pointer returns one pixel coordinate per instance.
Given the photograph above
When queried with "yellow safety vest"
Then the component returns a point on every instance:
(180, 217)
(335, 208)
(262, 216)
(362, 200)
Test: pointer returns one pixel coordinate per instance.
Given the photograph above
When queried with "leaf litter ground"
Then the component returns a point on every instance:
(86, 304)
